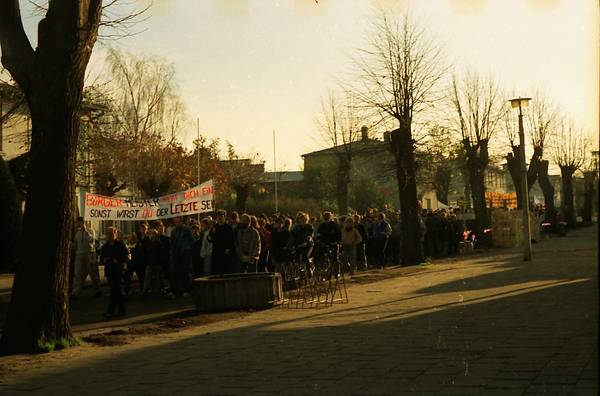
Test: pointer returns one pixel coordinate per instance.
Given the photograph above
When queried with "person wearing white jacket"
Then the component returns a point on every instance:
(206, 247)
(85, 259)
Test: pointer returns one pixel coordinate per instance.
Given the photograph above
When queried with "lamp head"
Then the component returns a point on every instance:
(519, 102)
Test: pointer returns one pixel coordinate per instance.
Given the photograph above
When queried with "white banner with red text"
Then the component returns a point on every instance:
(195, 200)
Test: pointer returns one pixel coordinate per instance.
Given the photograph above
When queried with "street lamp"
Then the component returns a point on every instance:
(520, 103)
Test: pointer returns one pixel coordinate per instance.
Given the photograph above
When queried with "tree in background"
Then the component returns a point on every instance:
(341, 130)
(241, 175)
(539, 121)
(51, 77)
(399, 73)
(134, 142)
(569, 152)
(438, 161)
(478, 107)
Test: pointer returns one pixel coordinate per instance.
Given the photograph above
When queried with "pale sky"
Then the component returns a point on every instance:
(248, 67)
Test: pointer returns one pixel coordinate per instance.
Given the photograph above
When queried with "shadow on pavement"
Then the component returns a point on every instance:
(540, 338)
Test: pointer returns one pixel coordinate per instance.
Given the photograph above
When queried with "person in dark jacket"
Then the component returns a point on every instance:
(222, 238)
(328, 234)
(181, 243)
(381, 232)
(139, 258)
(164, 254)
(154, 273)
(301, 240)
(361, 256)
(195, 251)
(280, 239)
(114, 254)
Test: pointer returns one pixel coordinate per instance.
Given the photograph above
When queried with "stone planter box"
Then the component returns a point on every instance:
(237, 291)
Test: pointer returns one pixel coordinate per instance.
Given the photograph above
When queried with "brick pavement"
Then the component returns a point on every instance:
(489, 325)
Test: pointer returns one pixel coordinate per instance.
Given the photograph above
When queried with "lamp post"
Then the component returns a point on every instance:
(520, 103)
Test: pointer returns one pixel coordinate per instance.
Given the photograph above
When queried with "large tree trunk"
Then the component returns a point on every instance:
(342, 182)
(38, 310)
(513, 162)
(534, 166)
(479, 207)
(51, 78)
(514, 168)
(589, 177)
(412, 246)
(567, 204)
(548, 190)
(477, 160)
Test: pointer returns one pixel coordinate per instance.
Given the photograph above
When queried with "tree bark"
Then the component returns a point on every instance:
(442, 180)
(514, 168)
(548, 191)
(412, 245)
(342, 183)
(513, 162)
(567, 204)
(38, 310)
(588, 198)
(477, 160)
(534, 166)
(51, 78)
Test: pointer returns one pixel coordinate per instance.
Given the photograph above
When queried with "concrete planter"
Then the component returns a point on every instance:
(237, 291)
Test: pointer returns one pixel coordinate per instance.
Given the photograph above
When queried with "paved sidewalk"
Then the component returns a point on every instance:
(490, 325)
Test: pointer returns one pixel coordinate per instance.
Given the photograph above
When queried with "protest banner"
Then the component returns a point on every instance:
(195, 200)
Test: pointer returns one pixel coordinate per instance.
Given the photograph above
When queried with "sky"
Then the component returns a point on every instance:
(246, 68)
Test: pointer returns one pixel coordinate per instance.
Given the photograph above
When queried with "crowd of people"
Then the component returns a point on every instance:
(166, 257)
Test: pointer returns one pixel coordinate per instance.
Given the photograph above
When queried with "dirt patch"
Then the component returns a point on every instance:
(373, 276)
(176, 323)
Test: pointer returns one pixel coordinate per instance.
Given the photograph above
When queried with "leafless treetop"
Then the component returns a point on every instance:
(479, 106)
(338, 122)
(399, 71)
(569, 146)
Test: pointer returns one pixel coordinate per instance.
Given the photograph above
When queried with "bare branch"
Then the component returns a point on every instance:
(479, 106)
(17, 52)
(399, 71)
(569, 146)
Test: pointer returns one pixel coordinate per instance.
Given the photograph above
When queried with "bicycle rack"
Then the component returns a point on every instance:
(314, 286)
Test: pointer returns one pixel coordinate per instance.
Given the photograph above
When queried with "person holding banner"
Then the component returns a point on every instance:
(114, 255)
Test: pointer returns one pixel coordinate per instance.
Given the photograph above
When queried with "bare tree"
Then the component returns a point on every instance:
(142, 96)
(399, 74)
(478, 106)
(241, 175)
(569, 153)
(137, 133)
(438, 160)
(341, 130)
(540, 118)
(51, 77)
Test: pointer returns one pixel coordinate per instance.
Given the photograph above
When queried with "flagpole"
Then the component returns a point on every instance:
(275, 173)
